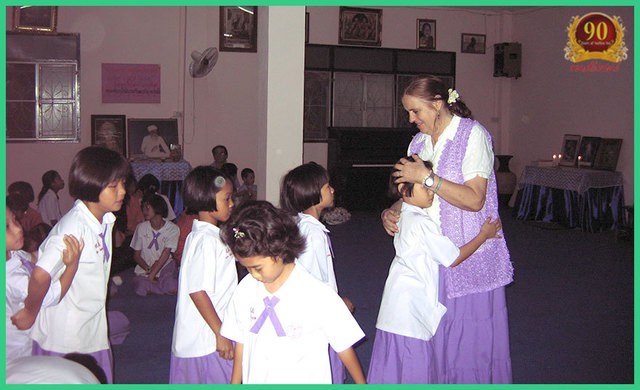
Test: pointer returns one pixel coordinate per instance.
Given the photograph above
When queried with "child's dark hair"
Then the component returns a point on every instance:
(301, 187)
(407, 187)
(246, 172)
(200, 188)
(230, 169)
(157, 203)
(258, 228)
(90, 363)
(34, 237)
(148, 184)
(47, 180)
(17, 204)
(22, 188)
(93, 169)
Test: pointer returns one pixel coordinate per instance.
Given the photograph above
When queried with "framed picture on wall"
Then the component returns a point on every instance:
(30, 18)
(588, 150)
(426, 34)
(110, 132)
(569, 150)
(360, 26)
(239, 29)
(473, 43)
(143, 144)
(608, 153)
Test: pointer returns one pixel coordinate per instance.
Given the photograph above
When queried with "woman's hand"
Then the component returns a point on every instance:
(390, 219)
(410, 172)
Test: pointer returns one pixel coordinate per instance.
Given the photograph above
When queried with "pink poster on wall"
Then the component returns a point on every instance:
(130, 83)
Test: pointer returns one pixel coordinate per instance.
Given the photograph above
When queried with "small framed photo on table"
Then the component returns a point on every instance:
(608, 153)
(473, 43)
(569, 149)
(31, 18)
(426, 34)
(360, 26)
(151, 138)
(109, 131)
(588, 150)
(239, 29)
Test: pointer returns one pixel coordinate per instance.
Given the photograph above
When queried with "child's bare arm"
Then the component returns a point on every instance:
(236, 372)
(224, 347)
(488, 230)
(157, 266)
(352, 364)
(70, 258)
(39, 283)
(137, 257)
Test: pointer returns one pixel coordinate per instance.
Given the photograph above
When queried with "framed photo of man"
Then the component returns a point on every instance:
(426, 34)
(151, 138)
(110, 132)
(31, 18)
(473, 43)
(239, 29)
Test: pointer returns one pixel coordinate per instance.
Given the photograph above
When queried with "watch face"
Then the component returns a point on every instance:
(428, 181)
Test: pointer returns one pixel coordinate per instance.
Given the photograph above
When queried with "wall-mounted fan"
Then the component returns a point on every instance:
(202, 63)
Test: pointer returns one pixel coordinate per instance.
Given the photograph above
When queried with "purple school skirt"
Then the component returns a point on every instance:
(211, 369)
(167, 283)
(337, 368)
(104, 359)
(119, 327)
(471, 345)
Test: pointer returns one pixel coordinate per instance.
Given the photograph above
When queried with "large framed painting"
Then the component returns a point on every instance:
(109, 131)
(360, 26)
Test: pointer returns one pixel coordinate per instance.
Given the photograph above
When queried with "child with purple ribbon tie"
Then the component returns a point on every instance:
(305, 192)
(152, 243)
(208, 277)
(19, 268)
(282, 318)
(78, 323)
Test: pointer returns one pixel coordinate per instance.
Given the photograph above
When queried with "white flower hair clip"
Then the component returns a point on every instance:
(237, 233)
(219, 182)
(453, 96)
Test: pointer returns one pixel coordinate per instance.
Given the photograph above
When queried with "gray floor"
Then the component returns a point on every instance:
(570, 307)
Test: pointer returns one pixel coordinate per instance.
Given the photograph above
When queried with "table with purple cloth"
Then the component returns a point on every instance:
(170, 173)
(592, 200)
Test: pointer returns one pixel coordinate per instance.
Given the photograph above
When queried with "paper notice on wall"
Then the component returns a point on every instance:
(130, 83)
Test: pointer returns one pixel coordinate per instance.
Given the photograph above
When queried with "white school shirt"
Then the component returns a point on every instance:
(48, 370)
(49, 207)
(143, 236)
(312, 316)
(79, 322)
(207, 265)
(478, 160)
(171, 215)
(316, 258)
(18, 342)
(410, 305)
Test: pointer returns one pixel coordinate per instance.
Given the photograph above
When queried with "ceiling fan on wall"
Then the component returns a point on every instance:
(202, 63)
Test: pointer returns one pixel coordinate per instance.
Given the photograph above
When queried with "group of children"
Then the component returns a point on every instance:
(282, 323)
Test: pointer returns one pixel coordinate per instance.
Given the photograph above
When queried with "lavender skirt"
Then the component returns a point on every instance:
(211, 369)
(471, 345)
(167, 283)
(119, 327)
(104, 359)
(337, 368)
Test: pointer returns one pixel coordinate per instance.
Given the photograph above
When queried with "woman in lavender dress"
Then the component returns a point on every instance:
(471, 344)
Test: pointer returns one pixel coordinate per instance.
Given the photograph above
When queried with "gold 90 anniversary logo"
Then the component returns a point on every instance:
(595, 36)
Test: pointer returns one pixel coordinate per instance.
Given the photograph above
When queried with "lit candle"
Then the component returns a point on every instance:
(554, 157)
(559, 157)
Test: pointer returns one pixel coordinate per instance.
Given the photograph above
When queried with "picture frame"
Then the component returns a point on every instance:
(360, 26)
(569, 151)
(587, 151)
(109, 131)
(473, 43)
(306, 27)
(608, 153)
(239, 29)
(137, 130)
(426, 34)
(32, 18)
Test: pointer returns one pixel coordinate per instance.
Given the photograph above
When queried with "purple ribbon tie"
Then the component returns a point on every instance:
(154, 241)
(417, 144)
(28, 264)
(105, 248)
(269, 311)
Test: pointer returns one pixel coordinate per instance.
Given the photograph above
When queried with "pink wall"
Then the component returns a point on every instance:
(527, 117)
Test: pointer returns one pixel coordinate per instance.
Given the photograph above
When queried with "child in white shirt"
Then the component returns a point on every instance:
(208, 277)
(153, 242)
(282, 318)
(48, 202)
(19, 267)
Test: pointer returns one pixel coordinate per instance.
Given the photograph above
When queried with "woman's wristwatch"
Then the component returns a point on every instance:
(429, 180)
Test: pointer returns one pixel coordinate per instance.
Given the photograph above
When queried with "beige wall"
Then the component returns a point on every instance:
(258, 115)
